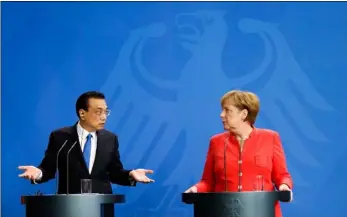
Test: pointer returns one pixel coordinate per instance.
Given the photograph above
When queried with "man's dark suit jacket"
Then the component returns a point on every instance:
(107, 167)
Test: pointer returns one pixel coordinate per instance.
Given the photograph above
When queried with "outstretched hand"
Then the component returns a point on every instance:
(30, 172)
(140, 175)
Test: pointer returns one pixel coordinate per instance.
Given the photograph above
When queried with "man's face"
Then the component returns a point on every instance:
(97, 113)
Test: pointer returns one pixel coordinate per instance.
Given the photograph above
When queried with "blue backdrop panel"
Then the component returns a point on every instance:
(163, 68)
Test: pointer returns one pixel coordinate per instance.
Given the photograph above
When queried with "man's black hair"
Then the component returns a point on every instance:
(83, 100)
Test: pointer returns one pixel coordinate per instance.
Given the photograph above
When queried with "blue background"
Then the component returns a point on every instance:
(163, 68)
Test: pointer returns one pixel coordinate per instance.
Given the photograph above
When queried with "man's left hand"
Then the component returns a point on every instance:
(285, 187)
(140, 175)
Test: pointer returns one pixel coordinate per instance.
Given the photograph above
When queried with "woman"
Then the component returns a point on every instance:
(253, 157)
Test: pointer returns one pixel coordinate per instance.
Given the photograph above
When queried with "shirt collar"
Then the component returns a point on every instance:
(82, 133)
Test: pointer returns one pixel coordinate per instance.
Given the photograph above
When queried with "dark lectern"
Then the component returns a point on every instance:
(235, 204)
(71, 205)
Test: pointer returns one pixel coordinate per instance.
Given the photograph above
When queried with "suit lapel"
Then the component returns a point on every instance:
(76, 151)
(98, 154)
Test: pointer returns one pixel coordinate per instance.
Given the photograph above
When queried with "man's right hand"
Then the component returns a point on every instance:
(30, 172)
(192, 189)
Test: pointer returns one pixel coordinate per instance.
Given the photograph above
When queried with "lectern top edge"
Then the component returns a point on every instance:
(283, 196)
(100, 198)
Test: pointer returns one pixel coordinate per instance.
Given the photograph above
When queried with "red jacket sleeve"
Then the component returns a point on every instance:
(207, 181)
(280, 174)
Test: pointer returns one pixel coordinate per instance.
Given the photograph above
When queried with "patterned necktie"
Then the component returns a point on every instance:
(87, 150)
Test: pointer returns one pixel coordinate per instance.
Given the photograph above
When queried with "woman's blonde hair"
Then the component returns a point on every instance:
(243, 100)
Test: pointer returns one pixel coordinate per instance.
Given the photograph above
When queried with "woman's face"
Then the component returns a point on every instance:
(232, 117)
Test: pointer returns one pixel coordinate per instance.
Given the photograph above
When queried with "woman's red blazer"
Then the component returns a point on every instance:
(262, 154)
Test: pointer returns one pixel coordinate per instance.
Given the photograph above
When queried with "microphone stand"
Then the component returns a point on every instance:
(57, 165)
(67, 168)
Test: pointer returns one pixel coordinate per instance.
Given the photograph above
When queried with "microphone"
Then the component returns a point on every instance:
(225, 164)
(57, 165)
(67, 167)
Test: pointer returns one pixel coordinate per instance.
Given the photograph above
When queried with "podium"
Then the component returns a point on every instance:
(235, 204)
(71, 205)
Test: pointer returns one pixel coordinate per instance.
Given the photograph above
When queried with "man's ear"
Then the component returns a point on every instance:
(82, 114)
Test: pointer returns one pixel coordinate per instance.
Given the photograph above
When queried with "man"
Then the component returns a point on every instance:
(94, 156)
